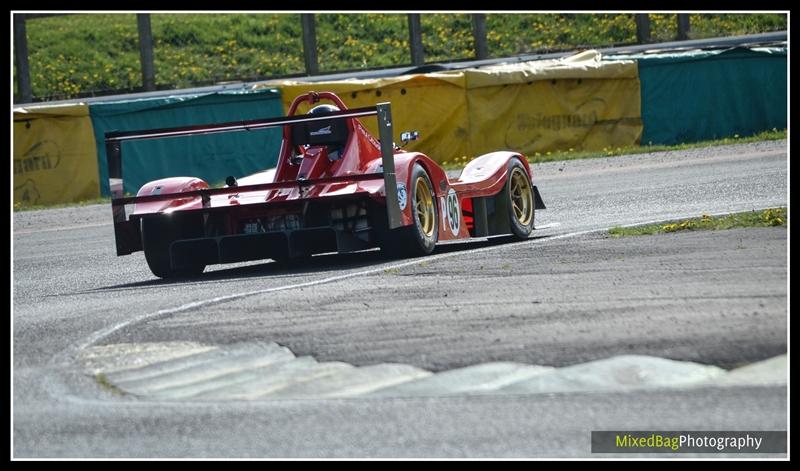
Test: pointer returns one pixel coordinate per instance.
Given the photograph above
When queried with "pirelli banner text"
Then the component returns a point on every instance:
(578, 103)
(55, 159)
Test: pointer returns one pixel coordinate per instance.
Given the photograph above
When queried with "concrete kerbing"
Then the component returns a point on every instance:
(482, 378)
(624, 372)
(767, 372)
(265, 370)
(120, 357)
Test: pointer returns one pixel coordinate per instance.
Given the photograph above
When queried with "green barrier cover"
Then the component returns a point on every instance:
(211, 157)
(701, 95)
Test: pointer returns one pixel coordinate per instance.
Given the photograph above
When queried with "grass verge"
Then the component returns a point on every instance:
(766, 218)
(771, 135)
(84, 54)
(21, 206)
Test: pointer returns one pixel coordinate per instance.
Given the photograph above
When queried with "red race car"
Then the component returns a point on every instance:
(335, 189)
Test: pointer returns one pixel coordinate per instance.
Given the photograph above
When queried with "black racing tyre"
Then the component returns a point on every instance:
(420, 237)
(520, 200)
(157, 235)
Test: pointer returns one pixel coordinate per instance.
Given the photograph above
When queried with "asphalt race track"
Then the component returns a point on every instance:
(567, 296)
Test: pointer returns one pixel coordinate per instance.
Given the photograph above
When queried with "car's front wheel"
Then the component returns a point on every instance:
(520, 199)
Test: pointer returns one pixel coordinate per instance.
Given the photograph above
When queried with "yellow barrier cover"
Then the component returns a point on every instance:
(55, 158)
(580, 102)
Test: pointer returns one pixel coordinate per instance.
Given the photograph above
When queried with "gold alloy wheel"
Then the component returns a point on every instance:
(521, 196)
(423, 206)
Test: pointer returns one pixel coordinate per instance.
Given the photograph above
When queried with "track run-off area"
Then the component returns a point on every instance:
(484, 349)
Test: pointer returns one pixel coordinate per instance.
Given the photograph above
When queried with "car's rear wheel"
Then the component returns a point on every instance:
(420, 237)
(520, 199)
(157, 235)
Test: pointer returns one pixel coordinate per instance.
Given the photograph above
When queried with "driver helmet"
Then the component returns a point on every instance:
(323, 109)
(334, 152)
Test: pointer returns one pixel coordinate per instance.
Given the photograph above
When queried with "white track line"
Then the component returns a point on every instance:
(548, 226)
(66, 228)
(99, 335)
(60, 389)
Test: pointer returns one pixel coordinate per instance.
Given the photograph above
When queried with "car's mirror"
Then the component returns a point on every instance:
(409, 136)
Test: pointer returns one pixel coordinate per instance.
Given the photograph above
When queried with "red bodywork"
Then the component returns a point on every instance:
(351, 183)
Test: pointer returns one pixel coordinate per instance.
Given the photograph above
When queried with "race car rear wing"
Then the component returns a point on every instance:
(126, 233)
